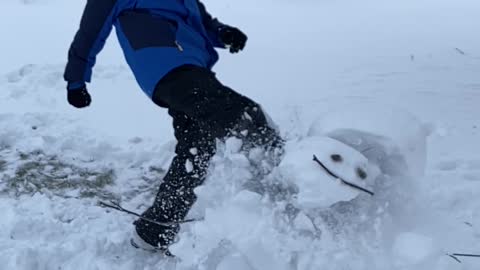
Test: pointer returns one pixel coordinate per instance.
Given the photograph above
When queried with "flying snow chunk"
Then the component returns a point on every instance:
(36, 143)
(316, 187)
(302, 222)
(235, 262)
(412, 248)
(233, 145)
(193, 151)
(188, 166)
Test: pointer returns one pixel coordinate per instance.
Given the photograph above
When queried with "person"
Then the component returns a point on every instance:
(170, 48)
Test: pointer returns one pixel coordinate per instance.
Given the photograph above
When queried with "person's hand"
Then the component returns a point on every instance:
(233, 38)
(79, 97)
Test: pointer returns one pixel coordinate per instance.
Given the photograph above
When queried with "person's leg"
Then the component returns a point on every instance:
(197, 92)
(187, 171)
(202, 110)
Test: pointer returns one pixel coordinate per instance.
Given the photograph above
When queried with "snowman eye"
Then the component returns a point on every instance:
(336, 158)
(361, 173)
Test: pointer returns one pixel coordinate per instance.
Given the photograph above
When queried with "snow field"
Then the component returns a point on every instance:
(323, 70)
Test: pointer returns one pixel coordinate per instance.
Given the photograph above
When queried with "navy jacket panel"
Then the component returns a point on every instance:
(212, 25)
(169, 47)
(95, 26)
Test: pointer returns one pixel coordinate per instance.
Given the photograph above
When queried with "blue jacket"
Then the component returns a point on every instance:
(156, 36)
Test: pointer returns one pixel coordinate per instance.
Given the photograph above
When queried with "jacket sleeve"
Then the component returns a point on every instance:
(212, 25)
(95, 27)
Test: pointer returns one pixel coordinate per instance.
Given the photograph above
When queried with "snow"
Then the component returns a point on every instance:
(392, 83)
(405, 131)
(194, 151)
(412, 248)
(316, 188)
(188, 166)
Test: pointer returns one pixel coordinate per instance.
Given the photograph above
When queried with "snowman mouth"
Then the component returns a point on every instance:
(361, 173)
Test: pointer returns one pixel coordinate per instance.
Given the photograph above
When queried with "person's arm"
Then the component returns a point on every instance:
(212, 25)
(220, 34)
(95, 27)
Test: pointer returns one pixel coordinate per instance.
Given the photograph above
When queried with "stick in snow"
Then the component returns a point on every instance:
(339, 178)
(116, 206)
(460, 51)
(468, 224)
(455, 255)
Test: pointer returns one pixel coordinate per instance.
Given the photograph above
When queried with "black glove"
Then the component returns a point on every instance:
(79, 98)
(233, 38)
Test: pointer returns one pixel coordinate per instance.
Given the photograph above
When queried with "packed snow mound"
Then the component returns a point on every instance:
(401, 131)
(317, 187)
(412, 248)
(299, 215)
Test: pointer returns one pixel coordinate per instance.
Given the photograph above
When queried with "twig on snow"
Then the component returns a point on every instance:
(116, 206)
(341, 179)
(460, 51)
(456, 255)
(453, 257)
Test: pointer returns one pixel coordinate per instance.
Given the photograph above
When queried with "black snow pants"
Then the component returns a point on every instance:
(203, 110)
